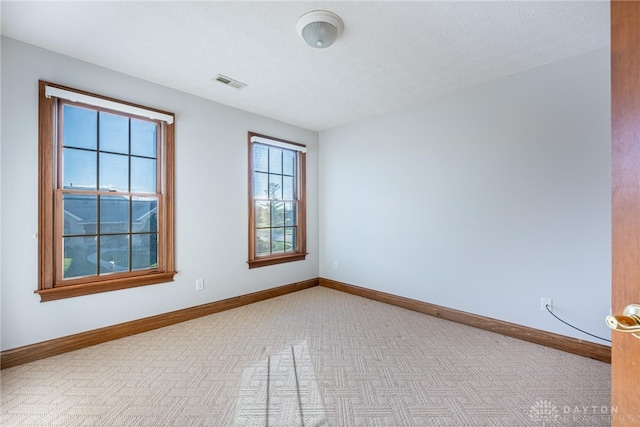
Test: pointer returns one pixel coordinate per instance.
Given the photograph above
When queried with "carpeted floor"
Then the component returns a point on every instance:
(317, 357)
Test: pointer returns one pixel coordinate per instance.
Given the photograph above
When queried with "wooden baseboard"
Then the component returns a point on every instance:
(30, 353)
(549, 339)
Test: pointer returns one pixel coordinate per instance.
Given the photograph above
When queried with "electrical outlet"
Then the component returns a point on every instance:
(544, 302)
(199, 284)
(335, 265)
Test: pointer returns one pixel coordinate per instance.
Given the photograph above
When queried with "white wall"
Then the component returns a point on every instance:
(211, 201)
(484, 200)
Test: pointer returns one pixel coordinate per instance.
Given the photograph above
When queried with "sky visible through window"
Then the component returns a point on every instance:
(97, 141)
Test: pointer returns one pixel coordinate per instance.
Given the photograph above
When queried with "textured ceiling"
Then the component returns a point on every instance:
(391, 53)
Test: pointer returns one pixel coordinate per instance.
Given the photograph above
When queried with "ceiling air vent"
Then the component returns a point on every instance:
(229, 81)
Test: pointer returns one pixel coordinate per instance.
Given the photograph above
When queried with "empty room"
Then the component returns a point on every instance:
(310, 213)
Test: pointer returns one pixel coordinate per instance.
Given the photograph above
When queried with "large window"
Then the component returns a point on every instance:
(106, 194)
(277, 209)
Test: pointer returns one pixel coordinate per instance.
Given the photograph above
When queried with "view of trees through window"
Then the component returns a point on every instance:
(275, 199)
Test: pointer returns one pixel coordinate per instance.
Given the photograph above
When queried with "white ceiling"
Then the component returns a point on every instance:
(391, 53)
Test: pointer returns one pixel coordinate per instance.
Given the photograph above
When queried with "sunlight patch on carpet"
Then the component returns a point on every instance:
(281, 391)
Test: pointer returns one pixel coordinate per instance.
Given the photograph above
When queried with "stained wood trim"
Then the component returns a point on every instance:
(113, 284)
(33, 352)
(273, 260)
(301, 194)
(42, 350)
(549, 339)
(51, 284)
(46, 194)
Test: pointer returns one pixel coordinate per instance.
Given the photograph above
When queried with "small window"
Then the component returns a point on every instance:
(106, 194)
(277, 207)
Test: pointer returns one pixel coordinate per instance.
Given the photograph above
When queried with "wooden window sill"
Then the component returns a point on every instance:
(70, 291)
(272, 260)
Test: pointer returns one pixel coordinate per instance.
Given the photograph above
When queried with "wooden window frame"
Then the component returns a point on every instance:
(300, 193)
(50, 221)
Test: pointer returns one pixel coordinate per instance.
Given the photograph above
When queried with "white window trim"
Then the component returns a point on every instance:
(56, 92)
(279, 144)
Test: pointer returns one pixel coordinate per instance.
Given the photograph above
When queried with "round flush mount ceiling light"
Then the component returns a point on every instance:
(320, 28)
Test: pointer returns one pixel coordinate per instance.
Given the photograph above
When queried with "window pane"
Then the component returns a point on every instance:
(114, 133)
(114, 214)
(263, 242)
(260, 185)
(78, 255)
(145, 251)
(277, 214)
(290, 218)
(79, 170)
(143, 138)
(85, 150)
(80, 213)
(260, 158)
(288, 162)
(144, 214)
(277, 240)
(274, 217)
(114, 253)
(114, 172)
(275, 187)
(287, 188)
(275, 160)
(290, 239)
(80, 127)
(263, 214)
(143, 175)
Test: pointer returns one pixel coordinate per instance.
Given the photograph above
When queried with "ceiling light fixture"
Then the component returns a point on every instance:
(320, 28)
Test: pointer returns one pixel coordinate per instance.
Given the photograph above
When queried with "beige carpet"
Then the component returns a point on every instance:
(318, 357)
